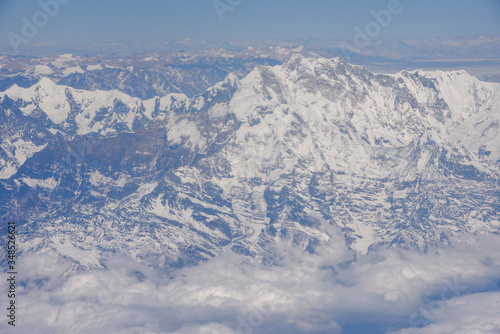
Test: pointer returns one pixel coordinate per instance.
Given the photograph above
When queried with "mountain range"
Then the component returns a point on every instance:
(305, 151)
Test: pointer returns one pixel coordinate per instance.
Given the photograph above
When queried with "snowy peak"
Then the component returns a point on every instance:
(77, 111)
(460, 94)
(318, 65)
(394, 109)
(46, 95)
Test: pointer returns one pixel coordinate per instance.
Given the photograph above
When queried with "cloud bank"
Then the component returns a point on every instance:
(450, 290)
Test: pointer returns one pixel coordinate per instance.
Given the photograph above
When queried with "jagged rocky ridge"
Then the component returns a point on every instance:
(302, 152)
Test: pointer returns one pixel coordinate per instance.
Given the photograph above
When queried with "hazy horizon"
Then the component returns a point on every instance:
(93, 21)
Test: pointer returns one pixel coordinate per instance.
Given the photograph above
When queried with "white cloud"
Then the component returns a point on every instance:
(292, 292)
(476, 313)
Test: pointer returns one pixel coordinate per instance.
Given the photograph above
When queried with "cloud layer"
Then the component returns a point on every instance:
(452, 290)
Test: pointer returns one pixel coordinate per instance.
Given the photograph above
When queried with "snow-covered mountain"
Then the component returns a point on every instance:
(35, 116)
(307, 151)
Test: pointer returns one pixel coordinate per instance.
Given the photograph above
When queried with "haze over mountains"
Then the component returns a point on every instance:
(476, 54)
(181, 166)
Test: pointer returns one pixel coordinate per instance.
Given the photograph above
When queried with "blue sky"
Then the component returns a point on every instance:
(88, 21)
